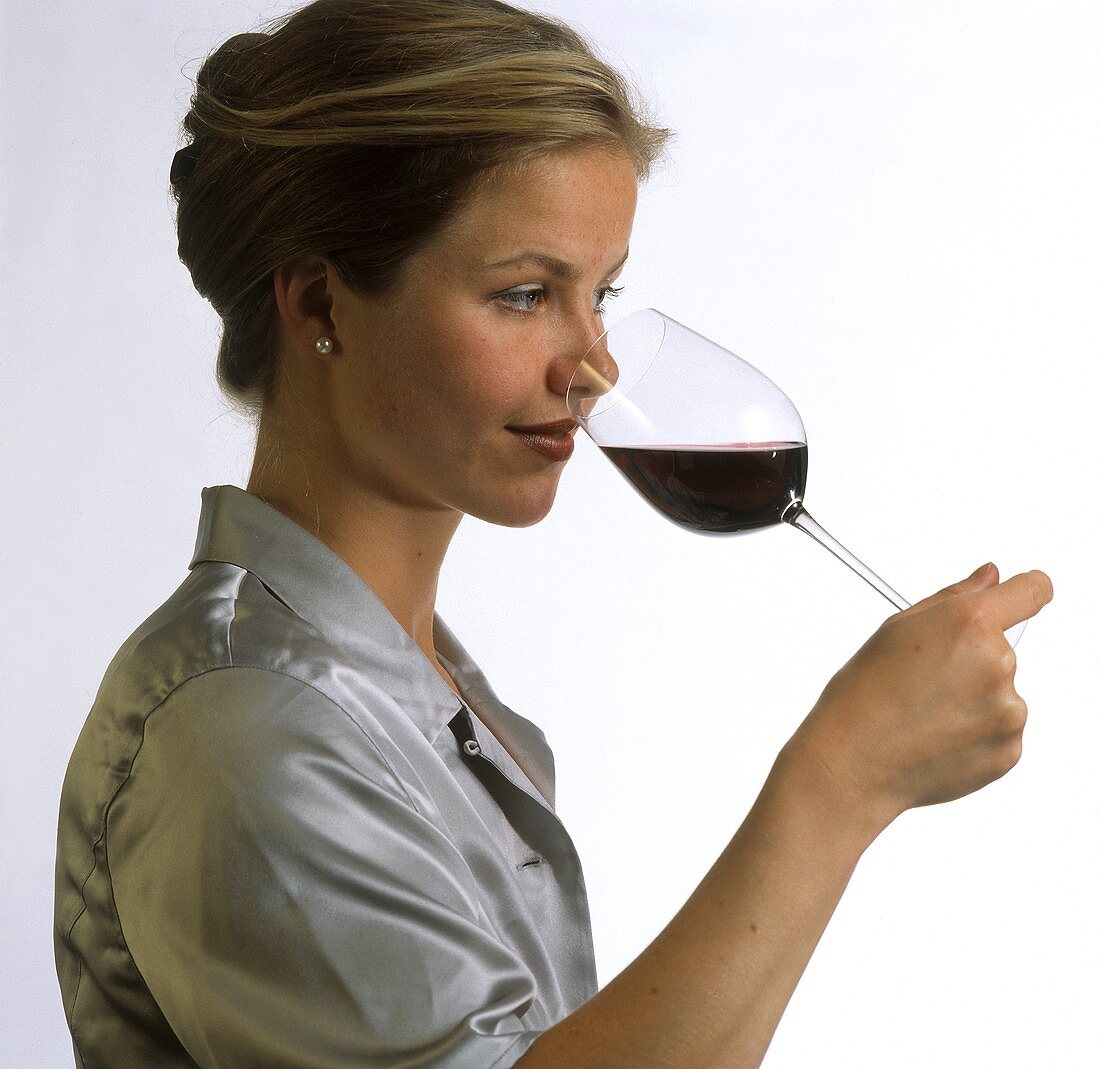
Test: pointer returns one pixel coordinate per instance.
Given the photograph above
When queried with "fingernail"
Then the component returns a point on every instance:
(983, 570)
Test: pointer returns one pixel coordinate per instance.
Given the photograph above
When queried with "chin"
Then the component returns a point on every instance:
(520, 511)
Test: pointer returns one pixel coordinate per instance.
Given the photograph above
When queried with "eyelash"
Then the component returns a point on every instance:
(609, 292)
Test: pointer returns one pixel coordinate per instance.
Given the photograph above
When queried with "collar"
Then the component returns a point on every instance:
(236, 527)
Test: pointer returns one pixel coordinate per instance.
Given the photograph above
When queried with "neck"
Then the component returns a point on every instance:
(395, 548)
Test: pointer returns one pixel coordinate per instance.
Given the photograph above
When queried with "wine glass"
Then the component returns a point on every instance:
(707, 439)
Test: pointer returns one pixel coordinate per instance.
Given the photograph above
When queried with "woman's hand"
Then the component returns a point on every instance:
(926, 710)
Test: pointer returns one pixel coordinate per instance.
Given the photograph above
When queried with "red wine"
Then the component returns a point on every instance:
(723, 489)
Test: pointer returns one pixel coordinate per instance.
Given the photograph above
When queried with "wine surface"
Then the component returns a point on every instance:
(717, 489)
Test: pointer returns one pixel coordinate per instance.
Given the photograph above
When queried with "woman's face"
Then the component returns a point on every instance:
(483, 333)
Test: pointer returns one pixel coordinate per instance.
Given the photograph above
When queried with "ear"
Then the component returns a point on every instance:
(304, 300)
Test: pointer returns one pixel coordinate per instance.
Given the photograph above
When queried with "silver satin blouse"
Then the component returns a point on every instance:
(284, 841)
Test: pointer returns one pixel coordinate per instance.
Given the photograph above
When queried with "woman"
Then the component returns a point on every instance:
(298, 828)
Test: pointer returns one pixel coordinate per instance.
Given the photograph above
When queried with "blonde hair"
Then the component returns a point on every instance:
(356, 128)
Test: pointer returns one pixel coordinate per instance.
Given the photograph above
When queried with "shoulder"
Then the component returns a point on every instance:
(242, 745)
(222, 622)
(220, 616)
(254, 716)
(224, 673)
(248, 770)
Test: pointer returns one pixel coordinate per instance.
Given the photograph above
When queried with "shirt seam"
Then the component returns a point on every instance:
(511, 1046)
(101, 839)
(332, 701)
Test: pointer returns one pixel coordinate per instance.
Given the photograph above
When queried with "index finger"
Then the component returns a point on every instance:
(1019, 598)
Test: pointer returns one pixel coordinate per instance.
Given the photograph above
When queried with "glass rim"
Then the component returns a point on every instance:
(658, 349)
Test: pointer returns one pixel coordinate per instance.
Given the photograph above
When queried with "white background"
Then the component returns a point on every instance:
(891, 209)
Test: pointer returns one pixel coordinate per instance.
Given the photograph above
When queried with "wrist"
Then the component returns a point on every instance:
(825, 800)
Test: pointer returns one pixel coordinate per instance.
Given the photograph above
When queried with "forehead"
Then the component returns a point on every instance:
(571, 202)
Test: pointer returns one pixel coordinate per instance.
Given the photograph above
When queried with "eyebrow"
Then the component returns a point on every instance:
(551, 264)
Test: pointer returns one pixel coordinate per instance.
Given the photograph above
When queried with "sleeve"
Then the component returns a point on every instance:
(285, 902)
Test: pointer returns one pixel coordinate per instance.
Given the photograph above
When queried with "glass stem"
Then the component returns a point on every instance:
(797, 516)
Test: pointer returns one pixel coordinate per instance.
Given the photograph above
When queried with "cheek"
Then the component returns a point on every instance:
(404, 379)
(483, 377)
(388, 397)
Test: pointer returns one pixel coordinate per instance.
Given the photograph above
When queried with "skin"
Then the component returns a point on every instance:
(382, 446)
(924, 712)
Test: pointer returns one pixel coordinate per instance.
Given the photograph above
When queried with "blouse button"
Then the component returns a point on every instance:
(471, 747)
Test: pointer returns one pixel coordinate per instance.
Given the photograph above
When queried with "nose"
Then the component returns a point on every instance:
(585, 369)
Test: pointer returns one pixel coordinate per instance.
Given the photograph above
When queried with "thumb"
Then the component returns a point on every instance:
(985, 576)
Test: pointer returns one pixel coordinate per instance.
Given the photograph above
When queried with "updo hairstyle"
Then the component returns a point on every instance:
(355, 129)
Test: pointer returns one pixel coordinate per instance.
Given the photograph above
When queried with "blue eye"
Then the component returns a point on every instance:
(606, 295)
(521, 295)
(524, 302)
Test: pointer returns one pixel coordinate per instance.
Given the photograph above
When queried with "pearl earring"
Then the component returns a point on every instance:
(324, 345)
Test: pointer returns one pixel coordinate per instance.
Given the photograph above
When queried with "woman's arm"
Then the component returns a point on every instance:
(924, 712)
(710, 989)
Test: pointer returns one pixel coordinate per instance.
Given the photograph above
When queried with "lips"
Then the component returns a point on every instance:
(553, 429)
(557, 447)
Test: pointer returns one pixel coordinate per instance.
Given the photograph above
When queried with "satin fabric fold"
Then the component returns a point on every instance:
(272, 853)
